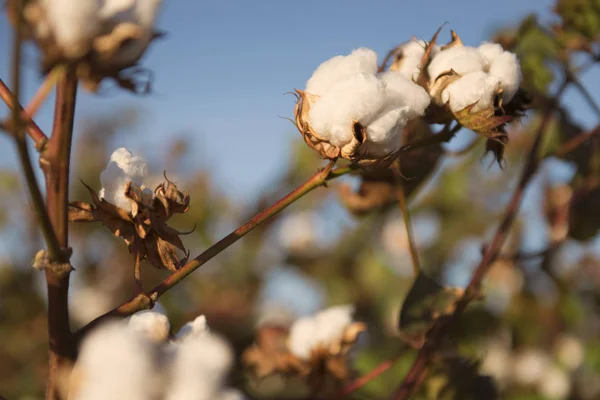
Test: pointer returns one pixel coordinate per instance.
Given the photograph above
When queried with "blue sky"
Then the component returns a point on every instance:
(222, 72)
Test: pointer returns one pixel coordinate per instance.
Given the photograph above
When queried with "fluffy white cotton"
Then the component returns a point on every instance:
(199, 368)
(198, 327)
(116, 363)
(402, 92)
(461, 60)
(555, 384)
(341, 67)
(507, 69)
(123, 167)
(359, 98)
(323, 329)
(475, 88)
(74, 24)
(153, 325)
(412, 52)
(489, 52)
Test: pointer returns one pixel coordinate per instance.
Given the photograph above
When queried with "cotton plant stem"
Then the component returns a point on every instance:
(418, 370)
(576, 141)
(414, 252)
(145, 300)
(365, 379)
(32, 129)
(55, 162)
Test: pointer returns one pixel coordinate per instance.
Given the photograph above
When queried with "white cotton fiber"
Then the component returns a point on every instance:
(337, 69)
(476, 87)
(489, 52)
(123, 167)
(462, 60)
(358, 98)
(400, 91)
(412, 53)
(506, 67)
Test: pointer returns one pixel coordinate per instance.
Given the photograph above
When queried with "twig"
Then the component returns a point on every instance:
(42, 94)
(145, 300)
(575, 142)
(414, 252)
(365, 379)
(418, 370)
(32, 129)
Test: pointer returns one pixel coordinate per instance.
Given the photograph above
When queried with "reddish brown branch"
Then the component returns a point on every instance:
(418, 371)
(55, 162)
(32, 129)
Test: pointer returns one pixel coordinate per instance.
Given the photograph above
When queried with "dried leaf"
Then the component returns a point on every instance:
(426, 301)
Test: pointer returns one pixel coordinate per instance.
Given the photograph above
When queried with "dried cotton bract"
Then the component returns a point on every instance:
(102, 37)
(135, 213)
(348, 110)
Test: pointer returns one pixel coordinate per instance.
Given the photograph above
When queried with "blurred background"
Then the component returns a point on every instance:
(216, 122)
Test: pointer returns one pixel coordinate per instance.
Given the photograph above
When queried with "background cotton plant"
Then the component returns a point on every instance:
(471, 281)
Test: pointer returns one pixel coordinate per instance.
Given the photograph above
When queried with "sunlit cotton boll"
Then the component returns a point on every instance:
(155, 326)
(411, 54)
(497, 363)
(116, 362)
(462, 60)
(196, 328)
(319, 331)
(123, 167)
(476, 88)
(340, 68)
(199, 368)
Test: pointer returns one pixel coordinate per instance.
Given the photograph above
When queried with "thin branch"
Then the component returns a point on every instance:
(42, 93)
(576, 141)
(365, 379)
(418, 370)
(145, 300)
(31, 128)
(414, 252)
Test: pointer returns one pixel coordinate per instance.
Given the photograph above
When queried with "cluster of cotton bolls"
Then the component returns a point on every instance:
(124, 167)
(134, 359)
(547, 373)
(349, 109)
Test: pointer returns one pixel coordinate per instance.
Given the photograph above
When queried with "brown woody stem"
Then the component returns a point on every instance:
(414, 252)
(55, 162)
(145, 300)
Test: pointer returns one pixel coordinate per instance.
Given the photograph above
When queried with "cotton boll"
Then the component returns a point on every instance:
(116, 363)
(555, 384)
(89, 303)
(569, 351)
(332, 322)
(476, 87)
(385, 133)
(340, 68)
(412, 53)
(199, 368)
(146, 11)
(155, 326)
(462, 60)
(111, 8)
(123, 167)
(401, 91)
(489, 52)
(74, 24)
(497, 363)
(507, 69)
(359, 98)
(198, 327)
(530, 366)
(231, 394)
(302, 337)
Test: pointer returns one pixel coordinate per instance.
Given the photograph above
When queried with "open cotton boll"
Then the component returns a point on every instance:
(555, 384)
(340, 68)
(123, 167)
(199, 368)
(359, 98)
(462, 60)
(74, 24)
(475, 88)
(384, 135)
(301, 339)
(198, 327)
(400, 91)
(489, 52)
(116, 363)
(332, 322)
(155, 326)
(507, 69)
(412, 53)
